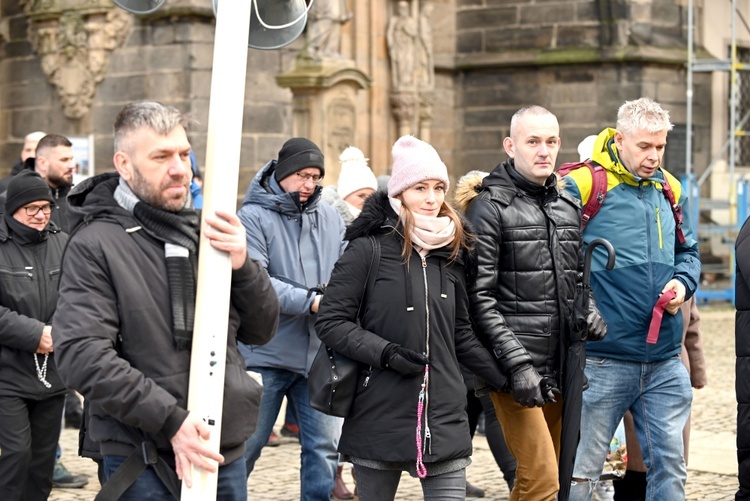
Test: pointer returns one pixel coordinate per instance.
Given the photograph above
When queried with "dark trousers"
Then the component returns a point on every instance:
(29, 432)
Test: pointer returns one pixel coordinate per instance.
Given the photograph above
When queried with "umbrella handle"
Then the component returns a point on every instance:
(590, 253)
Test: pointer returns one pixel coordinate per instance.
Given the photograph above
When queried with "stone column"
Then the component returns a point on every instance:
(325, 105)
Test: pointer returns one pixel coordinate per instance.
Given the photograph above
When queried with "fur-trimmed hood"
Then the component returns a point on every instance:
(377, 217)
(467, 188)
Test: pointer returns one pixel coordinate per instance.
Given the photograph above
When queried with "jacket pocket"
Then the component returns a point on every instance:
(529, 325)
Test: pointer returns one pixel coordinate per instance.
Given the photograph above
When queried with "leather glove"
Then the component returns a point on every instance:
(524, 386)
(597, 327)
(402, 360)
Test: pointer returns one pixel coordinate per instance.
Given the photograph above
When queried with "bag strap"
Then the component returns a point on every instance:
(598, 192)
(370, 282)
(676, 208)
(598, 187)
(143, 456)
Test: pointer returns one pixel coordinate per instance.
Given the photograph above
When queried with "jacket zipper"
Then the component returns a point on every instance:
(427, 435)
(658, 227)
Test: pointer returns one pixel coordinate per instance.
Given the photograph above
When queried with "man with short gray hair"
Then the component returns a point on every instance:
(127, 297)
(637, 367)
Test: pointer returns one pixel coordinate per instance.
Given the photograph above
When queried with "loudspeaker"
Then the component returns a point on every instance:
(274, 23)
(139, 6)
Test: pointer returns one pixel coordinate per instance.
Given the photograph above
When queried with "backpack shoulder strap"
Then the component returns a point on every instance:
(666, 189)
(597, 192)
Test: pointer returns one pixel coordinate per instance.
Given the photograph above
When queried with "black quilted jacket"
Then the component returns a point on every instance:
(529, 258)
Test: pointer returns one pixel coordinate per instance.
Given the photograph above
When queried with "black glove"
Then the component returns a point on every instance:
(402, 360)
(524, 386)
(597, 327)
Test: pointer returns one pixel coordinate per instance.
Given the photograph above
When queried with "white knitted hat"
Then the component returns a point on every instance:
(355, 173)
(414, 161)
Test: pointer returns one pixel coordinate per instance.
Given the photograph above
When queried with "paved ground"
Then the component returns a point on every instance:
(712, 468)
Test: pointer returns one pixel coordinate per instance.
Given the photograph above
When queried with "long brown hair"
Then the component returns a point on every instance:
(461, 239)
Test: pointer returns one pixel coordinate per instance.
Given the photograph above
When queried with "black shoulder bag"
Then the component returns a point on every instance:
(332, 380)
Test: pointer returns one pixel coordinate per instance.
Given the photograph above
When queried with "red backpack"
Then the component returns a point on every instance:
(599, 193)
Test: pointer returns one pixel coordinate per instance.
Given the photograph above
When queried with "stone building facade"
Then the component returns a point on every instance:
(67, 66)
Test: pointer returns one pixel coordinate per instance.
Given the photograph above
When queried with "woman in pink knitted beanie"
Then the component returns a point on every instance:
(397, 303)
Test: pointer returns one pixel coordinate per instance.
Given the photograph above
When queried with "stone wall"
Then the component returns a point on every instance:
(579, 58)
(166, 57)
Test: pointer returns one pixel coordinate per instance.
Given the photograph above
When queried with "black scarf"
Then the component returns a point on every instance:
(179, 232)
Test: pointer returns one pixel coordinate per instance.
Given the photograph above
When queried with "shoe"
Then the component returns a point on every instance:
(340, 490)
(472, 491)
(290, 431)
(61, 477)
(273, 440)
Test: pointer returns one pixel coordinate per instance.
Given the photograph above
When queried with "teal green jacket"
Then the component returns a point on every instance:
(637, 219)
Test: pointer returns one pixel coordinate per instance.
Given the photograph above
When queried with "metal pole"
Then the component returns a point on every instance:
(225, 113)
(689, 125)
(733, 116)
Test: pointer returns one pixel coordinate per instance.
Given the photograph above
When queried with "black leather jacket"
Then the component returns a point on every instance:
(530, 254)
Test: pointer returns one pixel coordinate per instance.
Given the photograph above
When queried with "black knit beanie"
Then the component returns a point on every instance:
(25, 187)
(298, 153)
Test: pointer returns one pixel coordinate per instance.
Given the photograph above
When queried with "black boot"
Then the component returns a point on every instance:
(632, 487)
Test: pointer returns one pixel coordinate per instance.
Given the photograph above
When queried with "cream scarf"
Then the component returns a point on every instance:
(428, 232)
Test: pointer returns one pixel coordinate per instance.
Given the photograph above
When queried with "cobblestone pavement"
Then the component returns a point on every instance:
(711, 472)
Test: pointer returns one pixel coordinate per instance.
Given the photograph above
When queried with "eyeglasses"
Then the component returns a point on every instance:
(305, 177)
(33, 210)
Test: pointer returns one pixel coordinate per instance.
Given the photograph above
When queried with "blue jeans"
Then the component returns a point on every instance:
(232, 482)
(318, 433)
(658, 394)
(381, 485)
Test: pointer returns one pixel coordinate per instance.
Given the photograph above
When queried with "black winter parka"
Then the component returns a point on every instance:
(742, 348)
(113, 330)
(29, 275)
(382, 422)
(529, 252)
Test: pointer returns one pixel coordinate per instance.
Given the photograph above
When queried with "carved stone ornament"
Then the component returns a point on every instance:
(73, 40)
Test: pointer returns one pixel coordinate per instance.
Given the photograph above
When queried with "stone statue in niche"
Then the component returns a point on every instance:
(425, 66)
(402, 41)
(326, 18)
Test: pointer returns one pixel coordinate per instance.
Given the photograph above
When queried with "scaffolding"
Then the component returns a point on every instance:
(737, 201)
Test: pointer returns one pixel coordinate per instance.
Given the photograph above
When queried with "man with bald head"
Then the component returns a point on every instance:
(529, 254)
(27, 151)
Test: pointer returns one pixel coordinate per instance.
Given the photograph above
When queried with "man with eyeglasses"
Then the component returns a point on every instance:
(298, 240)
(31, 392)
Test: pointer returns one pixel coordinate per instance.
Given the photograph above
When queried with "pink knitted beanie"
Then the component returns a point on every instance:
(414, 161)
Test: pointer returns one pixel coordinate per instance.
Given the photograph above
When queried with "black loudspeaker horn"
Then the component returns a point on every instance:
(139, 6)
(274, 23)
